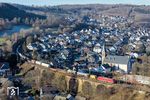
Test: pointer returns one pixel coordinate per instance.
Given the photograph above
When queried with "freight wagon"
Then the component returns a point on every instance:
(106, 80)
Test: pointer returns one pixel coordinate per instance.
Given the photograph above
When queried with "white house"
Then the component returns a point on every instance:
(97, 48)
(121, 63)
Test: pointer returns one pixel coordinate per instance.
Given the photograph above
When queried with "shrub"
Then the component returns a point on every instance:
(60, 82)
(47, 77)
(87, 89)
(101, 89)
(103, 92)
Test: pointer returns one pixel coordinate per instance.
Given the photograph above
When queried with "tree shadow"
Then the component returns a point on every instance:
(73, 85)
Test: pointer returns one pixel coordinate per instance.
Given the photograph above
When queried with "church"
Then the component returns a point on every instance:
(121, 63)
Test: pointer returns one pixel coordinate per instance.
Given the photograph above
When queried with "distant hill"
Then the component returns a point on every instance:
(9, 11)
(42, 9)
(139, 13)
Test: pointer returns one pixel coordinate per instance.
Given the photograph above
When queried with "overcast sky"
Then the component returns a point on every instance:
(59, 2)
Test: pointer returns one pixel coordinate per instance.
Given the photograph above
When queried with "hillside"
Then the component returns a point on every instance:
(139, 13)
(88, 88)
(9, 11)
(42, 9)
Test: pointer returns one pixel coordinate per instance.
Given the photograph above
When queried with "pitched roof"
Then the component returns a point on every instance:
(116, 59)
(4, 66)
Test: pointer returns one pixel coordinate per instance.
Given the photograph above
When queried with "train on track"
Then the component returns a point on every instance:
(128, 79)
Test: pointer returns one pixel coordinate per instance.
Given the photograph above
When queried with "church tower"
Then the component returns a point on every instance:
(103, 54)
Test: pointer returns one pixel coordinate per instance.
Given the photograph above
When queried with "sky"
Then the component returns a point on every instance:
(60, 2)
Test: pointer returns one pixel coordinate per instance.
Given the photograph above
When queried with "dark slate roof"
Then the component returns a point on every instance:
(4, 66)
(117, 59)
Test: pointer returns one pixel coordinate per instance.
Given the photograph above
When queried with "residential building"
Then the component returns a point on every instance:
(4, 68)
(121, 63)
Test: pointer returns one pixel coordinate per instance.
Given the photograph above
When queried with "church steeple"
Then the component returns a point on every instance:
(103, 53)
